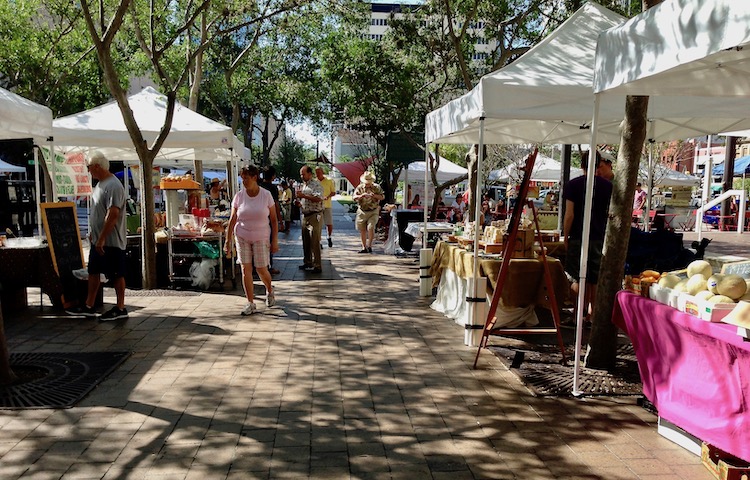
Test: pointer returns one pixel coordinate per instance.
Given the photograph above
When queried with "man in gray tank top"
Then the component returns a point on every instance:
(108, 237)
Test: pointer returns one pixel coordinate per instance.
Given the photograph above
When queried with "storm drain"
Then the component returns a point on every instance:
(161, 293)
(543, 374)
(56, 380)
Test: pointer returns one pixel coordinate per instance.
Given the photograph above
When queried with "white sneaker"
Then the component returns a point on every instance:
(249, 309)
(270, 299)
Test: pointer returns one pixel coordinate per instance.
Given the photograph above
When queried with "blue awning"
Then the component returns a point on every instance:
(741, 165)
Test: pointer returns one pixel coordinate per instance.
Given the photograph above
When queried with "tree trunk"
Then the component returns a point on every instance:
(6, 373)
(148, 230)
(602, 352)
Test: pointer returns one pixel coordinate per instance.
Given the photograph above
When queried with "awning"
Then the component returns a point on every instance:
(354, 169)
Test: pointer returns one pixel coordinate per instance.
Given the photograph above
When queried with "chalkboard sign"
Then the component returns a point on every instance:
(738, 268)
(63, 237)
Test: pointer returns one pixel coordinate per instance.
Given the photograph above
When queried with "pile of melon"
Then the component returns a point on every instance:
(703, 284)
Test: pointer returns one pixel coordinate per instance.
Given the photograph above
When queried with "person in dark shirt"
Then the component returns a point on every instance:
(574, 195)
(269, 174)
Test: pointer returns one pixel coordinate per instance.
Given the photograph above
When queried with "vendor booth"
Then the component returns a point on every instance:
(192, 137)
(690, 53)
(453, 266)
(505, 107)
(27, 263)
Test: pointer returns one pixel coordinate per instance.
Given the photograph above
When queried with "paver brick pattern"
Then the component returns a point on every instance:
(351, 375)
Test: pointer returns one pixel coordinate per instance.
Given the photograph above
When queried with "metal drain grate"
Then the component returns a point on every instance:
(56, 380)
(540, 370)
(161, 293)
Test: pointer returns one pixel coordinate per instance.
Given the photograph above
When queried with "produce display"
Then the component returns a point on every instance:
(178, 182)
(696, 290)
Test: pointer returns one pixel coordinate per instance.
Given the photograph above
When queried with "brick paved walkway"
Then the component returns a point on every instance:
(350, 376)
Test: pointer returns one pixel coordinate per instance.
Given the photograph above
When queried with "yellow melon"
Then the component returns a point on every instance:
(699, 266)
(733, 286)
(720, 299)
(695, 284)
(713, 282)
(669, 281)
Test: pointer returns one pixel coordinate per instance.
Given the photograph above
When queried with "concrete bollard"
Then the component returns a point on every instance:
(425, 279)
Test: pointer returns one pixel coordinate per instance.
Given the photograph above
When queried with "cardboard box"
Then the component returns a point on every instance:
(179, 185)
(660, 294)
(703, 309)
(723, 465)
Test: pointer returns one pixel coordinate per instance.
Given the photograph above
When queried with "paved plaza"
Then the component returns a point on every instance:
(351, 375)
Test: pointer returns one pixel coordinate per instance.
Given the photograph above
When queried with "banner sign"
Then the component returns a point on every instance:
(71, 177)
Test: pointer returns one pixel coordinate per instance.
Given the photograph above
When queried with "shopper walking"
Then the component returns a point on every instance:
(310, 201)
(268, 177)
(285, 201)
(329, 190)
(108, 237)
(368, 196)
(252, 223)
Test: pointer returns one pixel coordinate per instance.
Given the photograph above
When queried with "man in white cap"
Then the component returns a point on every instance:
(368, 196)
(108, 237)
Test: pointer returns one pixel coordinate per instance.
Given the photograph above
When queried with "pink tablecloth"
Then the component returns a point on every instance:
(696, 373)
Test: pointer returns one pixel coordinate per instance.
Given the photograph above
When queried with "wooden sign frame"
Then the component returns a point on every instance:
(53, 206)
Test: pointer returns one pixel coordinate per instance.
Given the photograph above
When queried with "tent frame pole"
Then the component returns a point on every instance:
(585, 240)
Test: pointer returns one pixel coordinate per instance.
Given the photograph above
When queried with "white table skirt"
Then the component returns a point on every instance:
(451, 302)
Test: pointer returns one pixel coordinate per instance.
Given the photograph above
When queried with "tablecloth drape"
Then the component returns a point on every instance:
(696, 373)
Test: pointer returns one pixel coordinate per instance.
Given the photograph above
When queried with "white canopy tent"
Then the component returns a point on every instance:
(546, 97)
(546, 169)
(21, 118)
(543, 97)
(191, 137)
(447, 171)
(666, 177)
(686, 55)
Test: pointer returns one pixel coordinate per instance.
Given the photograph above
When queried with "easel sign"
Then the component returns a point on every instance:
(64, 239)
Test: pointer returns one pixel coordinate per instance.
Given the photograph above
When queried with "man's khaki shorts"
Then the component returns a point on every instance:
(328, 216)
(367, 219)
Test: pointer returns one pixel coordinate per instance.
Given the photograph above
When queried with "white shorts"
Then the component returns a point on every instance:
(257, 253)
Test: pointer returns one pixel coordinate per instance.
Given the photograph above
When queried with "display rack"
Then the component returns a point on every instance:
(183, 246)
(502, 276)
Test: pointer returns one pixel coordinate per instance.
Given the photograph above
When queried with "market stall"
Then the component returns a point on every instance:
(192, 137)
(695, 372)
(28, 266)
(453, 266)
(23, 267)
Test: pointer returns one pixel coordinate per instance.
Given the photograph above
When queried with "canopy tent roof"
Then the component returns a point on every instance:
(354, 169)
(446, 172)
(741, 167)
(686, 54)
(192, 136)
(22, 118)
(679, 48)
(546, 169)
(6, 167)
(546, 96)
(666, 177)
